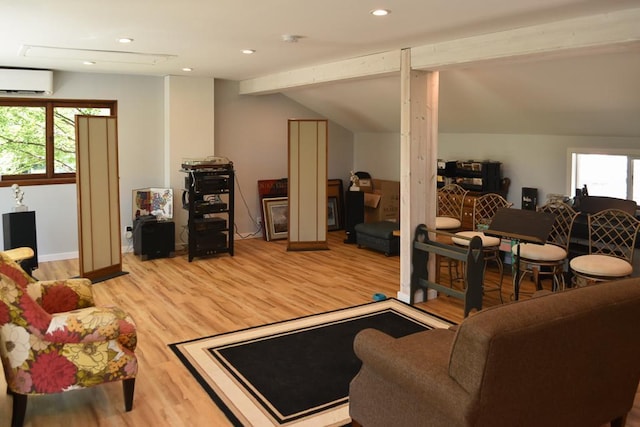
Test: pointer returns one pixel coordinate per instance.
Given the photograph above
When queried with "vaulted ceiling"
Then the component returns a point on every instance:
(592, 93)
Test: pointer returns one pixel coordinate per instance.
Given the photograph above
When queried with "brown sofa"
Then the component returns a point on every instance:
(564, 359)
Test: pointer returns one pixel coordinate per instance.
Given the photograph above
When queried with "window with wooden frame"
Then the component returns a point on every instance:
(38, 141)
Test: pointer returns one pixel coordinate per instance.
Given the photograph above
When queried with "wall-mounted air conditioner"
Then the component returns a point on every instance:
(26, 82)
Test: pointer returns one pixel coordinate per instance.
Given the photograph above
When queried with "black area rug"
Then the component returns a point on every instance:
(297, 371)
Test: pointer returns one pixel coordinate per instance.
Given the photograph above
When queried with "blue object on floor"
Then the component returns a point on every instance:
(379, 297)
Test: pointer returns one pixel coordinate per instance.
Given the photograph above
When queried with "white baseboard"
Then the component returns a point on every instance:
(58, 257)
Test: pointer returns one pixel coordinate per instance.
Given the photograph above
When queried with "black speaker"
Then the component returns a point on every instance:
(19, 230)
(529, 198)
(354, 213)
(153, 239)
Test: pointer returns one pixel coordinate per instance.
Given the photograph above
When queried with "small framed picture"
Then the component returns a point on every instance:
(276, 217)
(333, 217)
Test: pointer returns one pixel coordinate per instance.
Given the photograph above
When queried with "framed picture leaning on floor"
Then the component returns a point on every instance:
(276, 217)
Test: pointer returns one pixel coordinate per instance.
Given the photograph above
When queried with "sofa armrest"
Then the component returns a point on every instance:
(56, 296)
(417, 363)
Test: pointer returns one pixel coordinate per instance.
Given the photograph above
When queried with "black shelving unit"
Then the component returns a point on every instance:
(209, 197)
(471, 175)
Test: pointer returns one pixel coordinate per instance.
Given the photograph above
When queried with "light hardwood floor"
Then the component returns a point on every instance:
(173, 300)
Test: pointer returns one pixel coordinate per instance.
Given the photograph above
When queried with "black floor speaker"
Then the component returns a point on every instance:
(19, 230)
(153, 239)
(354, 213)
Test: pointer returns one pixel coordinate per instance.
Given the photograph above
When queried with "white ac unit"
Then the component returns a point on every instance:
(26, 82)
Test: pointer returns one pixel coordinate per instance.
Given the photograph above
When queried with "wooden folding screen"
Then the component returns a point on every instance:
(98, 196)
(308, 141)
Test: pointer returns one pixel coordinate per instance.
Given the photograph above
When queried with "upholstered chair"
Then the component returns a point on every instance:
(548, 259)
(484, 208)
(53, 339)
(612, 238)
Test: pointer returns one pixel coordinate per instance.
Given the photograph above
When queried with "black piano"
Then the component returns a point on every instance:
(579, 240)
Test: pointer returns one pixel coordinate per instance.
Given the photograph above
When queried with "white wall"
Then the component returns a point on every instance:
(189, 113)
(249, 130)
(252, 132)
(140, 133)
(538, 161)
(378, 154)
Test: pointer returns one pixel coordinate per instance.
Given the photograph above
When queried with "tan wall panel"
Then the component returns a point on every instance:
(307, 184)
(308, 179)
(114, 192)
(98, 196)
(99, 181)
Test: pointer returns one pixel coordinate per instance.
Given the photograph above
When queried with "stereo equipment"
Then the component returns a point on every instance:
(153, 239)
(210, 242)
(214, 223)
(211, 162)
(201, 207)
(207, 184)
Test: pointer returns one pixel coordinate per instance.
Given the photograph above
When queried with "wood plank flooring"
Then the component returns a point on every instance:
(173, 300)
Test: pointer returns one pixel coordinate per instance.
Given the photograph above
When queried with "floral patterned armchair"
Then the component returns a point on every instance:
(53, 338)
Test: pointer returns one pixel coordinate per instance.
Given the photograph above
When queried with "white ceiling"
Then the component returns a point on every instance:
(597, 94)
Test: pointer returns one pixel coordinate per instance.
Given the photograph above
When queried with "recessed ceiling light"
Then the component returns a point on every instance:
(187, 69)
(380, 12)
(290, 38)
(248, 51)
(125, 40)
(89, 63)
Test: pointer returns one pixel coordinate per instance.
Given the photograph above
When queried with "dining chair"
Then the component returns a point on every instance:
(450, 205)
(612, 238)
(449, 218)
(484, 208)
(548, 259)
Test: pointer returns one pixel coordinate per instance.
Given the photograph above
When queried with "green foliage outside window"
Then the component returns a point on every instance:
(37, 138)
(22, 140)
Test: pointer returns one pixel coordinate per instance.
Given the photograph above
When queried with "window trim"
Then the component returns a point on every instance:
(50, 177)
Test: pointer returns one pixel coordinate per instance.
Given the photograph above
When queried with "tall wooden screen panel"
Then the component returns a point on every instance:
(308, 141)
(98, 196)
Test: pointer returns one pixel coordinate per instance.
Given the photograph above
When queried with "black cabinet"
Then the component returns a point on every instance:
(481, 177)
(19, 230)
(209, 197)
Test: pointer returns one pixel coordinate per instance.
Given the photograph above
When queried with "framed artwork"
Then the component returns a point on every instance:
(333, 217)
(276, 217)
(270, 188)
(153, 201)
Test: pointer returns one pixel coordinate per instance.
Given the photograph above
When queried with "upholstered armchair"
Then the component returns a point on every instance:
(53, 339)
